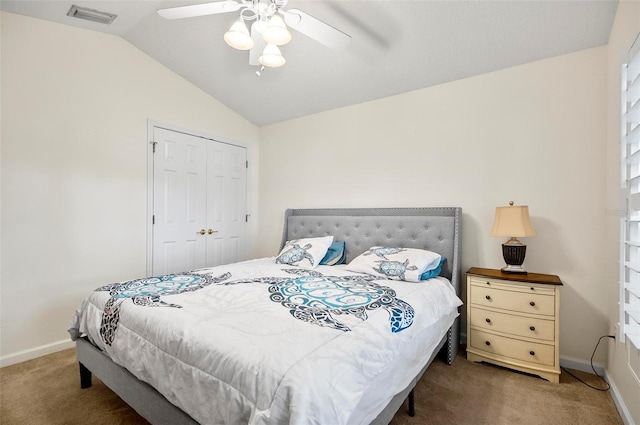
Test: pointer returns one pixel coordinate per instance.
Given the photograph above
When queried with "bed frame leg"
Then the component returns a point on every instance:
(85, 376)
(412, 406)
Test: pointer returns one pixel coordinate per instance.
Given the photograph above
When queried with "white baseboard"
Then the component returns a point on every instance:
(33, 353)
(617, 399)
(581, 365)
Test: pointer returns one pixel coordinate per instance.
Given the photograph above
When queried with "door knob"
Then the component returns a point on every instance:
(202, 231)
(211, 231)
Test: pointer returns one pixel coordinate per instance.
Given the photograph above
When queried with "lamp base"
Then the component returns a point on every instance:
(513, 269)
(513, 252)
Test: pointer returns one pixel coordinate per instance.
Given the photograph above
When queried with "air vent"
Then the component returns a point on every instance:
(91, 15)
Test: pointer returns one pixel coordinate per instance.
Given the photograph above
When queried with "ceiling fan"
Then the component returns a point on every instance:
(268, 29)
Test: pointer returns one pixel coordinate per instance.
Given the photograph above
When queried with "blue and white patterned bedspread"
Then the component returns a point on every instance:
(263, 343)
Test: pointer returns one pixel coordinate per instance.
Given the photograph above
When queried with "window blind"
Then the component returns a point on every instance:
(630, 222)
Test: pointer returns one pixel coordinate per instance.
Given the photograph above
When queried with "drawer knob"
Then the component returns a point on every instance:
(488, 283)
(488, 297)
(488, 320)
(532, 328)
(532, 304)
(487, 342)
(533, 289)
(533, 353)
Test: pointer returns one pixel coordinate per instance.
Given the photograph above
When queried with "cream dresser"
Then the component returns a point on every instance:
(513, 321)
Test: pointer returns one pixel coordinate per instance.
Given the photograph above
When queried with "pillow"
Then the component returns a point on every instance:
(304, 252)
(335, 255)
(430, 274)
(395, 263)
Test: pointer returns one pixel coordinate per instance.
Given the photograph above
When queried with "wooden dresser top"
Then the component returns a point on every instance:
(548, 279)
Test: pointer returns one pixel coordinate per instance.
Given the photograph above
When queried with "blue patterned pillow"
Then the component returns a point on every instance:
(395, 263)
(304, 252)
(430, 274)
(335, 255)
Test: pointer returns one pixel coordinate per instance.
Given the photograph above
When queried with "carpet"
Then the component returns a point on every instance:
(46, 391)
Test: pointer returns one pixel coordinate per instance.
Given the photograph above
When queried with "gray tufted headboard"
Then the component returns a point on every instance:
(435, 229)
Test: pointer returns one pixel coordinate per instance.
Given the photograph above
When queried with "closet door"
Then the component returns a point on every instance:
(179, 202)
(199, 203)
(226, 203)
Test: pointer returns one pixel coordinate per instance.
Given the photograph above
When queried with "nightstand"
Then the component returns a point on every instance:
(513, 321)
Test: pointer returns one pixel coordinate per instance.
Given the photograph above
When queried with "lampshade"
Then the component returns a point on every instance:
(238, 36)
(272, 57)
(513, 221)
(276, 31)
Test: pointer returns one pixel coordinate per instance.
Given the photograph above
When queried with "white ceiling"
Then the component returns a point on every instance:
(397, 46)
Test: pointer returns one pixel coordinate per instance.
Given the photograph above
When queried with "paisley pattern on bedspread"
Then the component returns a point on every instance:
(316, 299)
(146, 292)
(310, 297)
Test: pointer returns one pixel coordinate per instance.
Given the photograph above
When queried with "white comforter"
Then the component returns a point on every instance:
(257, 346)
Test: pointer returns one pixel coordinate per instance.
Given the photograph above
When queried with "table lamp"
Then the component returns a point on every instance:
(513, 222)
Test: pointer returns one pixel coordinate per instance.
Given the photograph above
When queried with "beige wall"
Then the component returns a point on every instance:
(626, 27)
(533, 134)
(75, 105)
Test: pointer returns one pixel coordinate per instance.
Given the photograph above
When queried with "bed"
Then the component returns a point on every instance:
(285, 360)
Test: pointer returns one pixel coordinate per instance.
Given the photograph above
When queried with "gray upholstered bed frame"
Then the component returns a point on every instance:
(435, 229)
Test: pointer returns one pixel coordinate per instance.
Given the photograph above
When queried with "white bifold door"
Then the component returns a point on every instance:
(199, 202)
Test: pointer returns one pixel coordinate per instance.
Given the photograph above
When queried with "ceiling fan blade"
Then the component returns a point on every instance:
(258, 45)
(200, 9)
(316, 29)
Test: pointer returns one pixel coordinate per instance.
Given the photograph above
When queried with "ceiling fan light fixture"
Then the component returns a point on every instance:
(271, 24)
(276, 31)
(271, 57)
(238, 36)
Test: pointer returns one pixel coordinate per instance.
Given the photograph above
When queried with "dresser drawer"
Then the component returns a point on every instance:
(530, 352)
(530, 327)
(531, 288)
(512, 300)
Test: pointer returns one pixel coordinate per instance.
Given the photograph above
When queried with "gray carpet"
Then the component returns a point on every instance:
(46, 391)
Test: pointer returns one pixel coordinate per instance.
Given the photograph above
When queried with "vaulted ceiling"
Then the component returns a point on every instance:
(397, 46)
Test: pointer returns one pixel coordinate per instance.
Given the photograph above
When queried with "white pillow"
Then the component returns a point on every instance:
(395, 263)
(305, 252)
